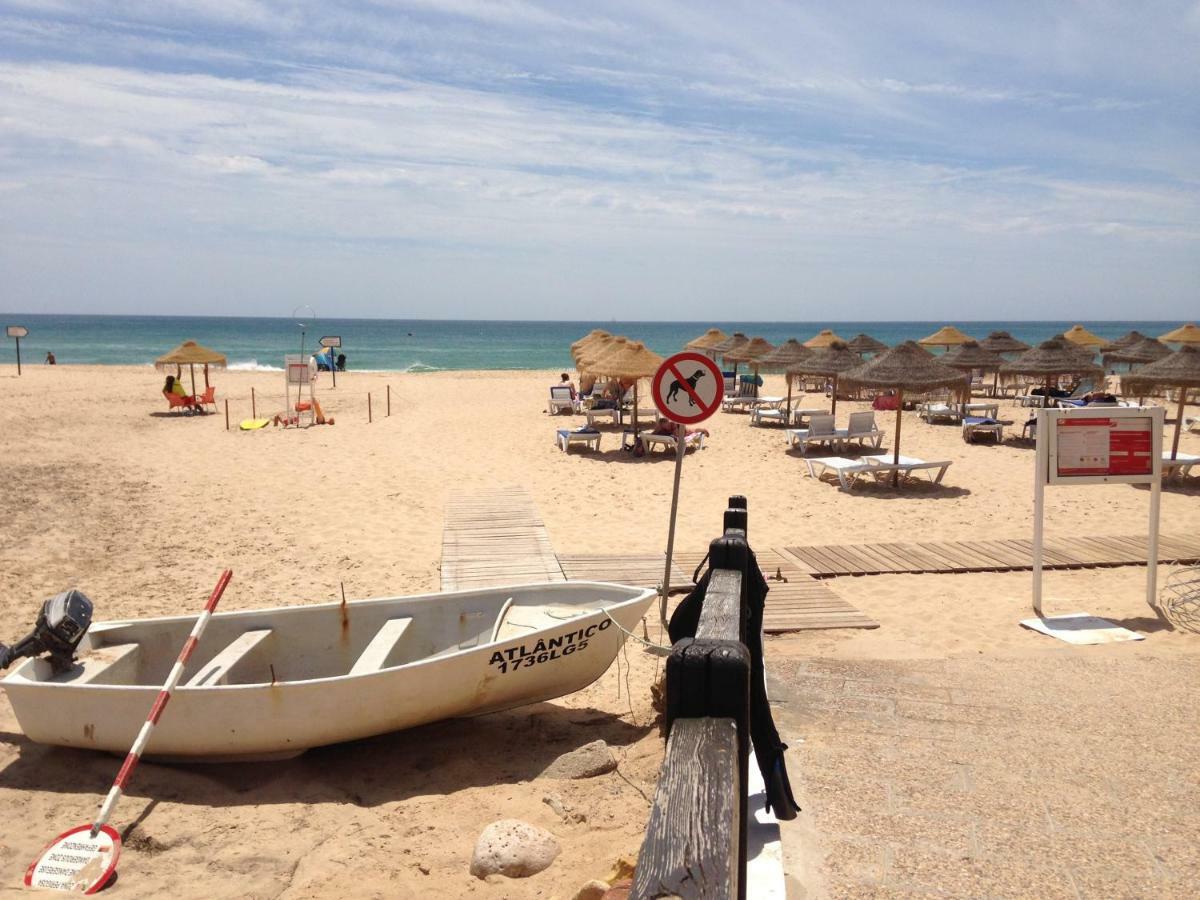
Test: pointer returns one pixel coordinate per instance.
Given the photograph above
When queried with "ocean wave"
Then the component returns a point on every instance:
(419, 366)
(252, 366)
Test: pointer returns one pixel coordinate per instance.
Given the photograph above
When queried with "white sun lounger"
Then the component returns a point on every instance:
(846, 470)
(906, 465)
(820, 431)
(862, 430)
(931, 411)
(1181, 465)
(668, 441)
(589, 439)
(561, 401)
(611, 413)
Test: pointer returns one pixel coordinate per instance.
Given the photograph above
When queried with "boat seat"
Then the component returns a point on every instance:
(115, 664)
(219, 669)
(378, 653)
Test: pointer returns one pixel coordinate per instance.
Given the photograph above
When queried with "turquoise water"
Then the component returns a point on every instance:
(431, 345)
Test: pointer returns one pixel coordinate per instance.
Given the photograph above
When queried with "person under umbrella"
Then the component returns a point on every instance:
(829, 362)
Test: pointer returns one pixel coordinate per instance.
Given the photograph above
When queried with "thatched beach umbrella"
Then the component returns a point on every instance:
(1184, 334)
(731, 344)
(191, 354)
(750, 352)
(905, 367)
(864, 343)
(790, 353)
(1003, 342)
(1048, 360)
(946, 336)
(1179, 370)
(829, 361)
(591, 345)
(591, 337)
(628, 360)
(1077, 334)
(822, 338)
(972, 357)
(590, 357)
(1122, 342)
(707, 342)
(1147, 350)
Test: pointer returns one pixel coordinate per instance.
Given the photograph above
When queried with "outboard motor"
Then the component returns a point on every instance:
(61, 625)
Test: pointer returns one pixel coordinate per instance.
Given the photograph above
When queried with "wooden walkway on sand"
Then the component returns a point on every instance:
(638, 569)
(831, 560)
(495, 537)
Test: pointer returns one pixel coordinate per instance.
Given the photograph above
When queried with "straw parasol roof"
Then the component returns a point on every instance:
(707, 341)
(629, 359)
(750, 352)
(972, 356)
(589, 356)
(905, 367)
(1003, 342)
(594, 334)
(1053, 357)
(1147, 350)
(790, 353)
(189, 353)
(946, 336)
(734, 342)
(864, 343)
(1184, 334)
(1077, 334)
(831, 360)
(590, 345)
(822, 338)
(1122, 342)
(1181, 369)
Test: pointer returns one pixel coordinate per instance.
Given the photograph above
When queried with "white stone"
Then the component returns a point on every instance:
(587, 761)
(513, 848)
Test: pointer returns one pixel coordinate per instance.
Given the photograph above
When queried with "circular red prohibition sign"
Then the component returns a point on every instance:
(688, 388)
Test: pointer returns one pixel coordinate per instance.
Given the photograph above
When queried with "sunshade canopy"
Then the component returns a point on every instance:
(752, 351)
(627, 359)
(831, 360)
(822, 338)
(735, 341)
(1181, 369)
(1077, 334)
(1184, 334)
(707, 341)
(946, 336)
(1053, 357)
(1122, 342)
(864, 343)
(593, 348)
(790, 353)
(597, 350)
(1003, 342)
(972, 356)
(1147, 350)
(591, 337)
(189, 353)
(906, 367)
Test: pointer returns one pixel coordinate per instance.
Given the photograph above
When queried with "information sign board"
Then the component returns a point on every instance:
(1103, 445)
(17, 331)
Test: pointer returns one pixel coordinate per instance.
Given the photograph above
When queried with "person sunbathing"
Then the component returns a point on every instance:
(667, 427)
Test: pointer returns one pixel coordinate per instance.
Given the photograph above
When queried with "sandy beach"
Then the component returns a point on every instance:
(107, 492)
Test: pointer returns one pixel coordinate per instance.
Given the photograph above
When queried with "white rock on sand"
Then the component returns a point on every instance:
(513, 848)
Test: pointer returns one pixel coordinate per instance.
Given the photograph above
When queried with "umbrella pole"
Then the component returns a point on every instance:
(787, 420)
(193, 368)
(206, 376)
(833, 405)
(1183, 392)
(896, 444)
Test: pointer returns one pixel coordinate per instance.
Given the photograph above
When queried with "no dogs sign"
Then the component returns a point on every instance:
(687, 388)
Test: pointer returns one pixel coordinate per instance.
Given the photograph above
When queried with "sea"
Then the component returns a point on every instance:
(428, 345)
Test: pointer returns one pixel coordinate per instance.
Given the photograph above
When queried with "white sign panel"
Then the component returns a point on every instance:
(1101, 445)
(297, 369)
(17, 331)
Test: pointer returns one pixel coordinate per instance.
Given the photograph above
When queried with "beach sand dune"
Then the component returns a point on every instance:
(104, 491)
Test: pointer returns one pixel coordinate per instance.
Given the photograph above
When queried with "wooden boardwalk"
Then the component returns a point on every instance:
(639, 569)
(495, 537)
(831, 560)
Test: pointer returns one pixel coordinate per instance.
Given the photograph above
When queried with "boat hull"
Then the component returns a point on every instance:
(240, 721)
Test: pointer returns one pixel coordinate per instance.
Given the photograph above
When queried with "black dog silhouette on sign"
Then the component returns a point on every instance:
(676, 385)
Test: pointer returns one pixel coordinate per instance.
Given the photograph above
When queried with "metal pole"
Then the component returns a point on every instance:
(18, 340)
(333, 366)
(1040, 469)
(227, 414)
(1158, 417)
(680, 441)
(253, 405)
(389, 400)
(1183, 392)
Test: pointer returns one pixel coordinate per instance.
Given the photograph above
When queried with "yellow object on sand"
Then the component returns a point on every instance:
(254, 424)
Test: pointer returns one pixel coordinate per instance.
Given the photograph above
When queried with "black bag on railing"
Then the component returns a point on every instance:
(768, 748)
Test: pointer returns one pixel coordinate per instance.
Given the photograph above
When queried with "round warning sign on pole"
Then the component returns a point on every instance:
(76, 861)
(687, 388)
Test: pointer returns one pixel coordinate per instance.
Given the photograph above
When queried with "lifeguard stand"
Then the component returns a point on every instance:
(298, 376)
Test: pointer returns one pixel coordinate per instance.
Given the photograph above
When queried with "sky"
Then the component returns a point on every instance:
(625, 160)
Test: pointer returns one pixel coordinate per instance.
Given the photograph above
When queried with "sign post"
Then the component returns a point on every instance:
(332, 341)
(687, 389)
(1098, 445)
(16, 332)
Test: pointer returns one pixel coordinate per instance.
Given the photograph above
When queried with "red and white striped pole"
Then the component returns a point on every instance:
(160, 703)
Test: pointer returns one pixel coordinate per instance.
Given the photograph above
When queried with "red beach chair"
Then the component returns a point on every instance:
(174, 401)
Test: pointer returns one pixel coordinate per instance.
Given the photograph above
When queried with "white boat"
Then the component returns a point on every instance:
(271, 683)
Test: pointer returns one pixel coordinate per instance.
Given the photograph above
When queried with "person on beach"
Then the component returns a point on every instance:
(567, 382)
(50, 360)
(341, 362)
(667, 427)
(173, 386)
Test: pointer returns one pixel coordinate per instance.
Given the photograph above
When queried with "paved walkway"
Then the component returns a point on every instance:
(1067, 774)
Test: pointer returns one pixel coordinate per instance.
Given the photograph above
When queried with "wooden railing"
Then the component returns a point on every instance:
(695, 844)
